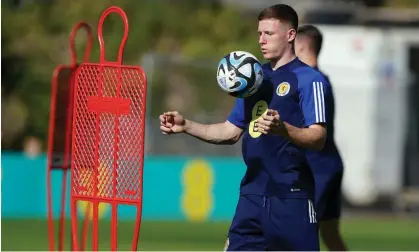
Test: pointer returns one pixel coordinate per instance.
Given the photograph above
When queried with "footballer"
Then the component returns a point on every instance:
(278, 123)
(326, 165)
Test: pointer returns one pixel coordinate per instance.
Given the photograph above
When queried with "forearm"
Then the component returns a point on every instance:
(210, 133)
(309, 138)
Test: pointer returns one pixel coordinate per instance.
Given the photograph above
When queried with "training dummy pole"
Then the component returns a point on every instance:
(108, 137)
(60, 129)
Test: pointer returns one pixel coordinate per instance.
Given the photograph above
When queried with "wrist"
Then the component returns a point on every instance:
(187, 126)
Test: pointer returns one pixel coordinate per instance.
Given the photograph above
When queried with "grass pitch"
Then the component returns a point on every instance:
(360, 234)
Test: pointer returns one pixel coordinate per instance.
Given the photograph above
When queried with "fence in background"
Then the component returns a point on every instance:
(175, 188)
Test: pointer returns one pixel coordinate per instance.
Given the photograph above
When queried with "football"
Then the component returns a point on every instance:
(239, 74)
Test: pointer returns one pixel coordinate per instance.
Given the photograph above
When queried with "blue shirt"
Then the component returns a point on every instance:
(328, 160)
(276, 166)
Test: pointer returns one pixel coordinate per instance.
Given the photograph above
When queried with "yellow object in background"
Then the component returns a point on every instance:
(197, 198)
(104, 189)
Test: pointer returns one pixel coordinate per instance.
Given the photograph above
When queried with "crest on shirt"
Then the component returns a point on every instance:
(283, 89)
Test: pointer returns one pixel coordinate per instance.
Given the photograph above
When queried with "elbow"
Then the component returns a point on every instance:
(233, 140)
(318, 137)
(231, 133)
(229, 142)
(319, 144)
(236, 138)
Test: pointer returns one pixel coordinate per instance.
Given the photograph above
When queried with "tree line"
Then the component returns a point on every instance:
(35, 41)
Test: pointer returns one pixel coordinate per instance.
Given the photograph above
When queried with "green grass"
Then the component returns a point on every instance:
(360, 234)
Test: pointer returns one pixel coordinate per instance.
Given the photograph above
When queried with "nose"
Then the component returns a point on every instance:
(262, 39)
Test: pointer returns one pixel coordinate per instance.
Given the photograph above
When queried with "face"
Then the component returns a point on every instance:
(274, 38)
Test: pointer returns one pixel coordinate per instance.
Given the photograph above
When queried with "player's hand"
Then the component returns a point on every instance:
(270, 123)
(171, 123)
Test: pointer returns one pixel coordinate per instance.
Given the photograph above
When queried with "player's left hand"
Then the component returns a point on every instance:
(270, 123)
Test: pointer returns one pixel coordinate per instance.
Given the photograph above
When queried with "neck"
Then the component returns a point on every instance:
(287, 57)
(311, 61)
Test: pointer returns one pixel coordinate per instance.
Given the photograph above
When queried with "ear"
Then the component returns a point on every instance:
(292, 33)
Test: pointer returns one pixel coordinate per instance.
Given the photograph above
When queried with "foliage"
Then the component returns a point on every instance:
(35, 41)
(402, 3)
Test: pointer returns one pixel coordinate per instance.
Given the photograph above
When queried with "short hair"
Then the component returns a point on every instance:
(281, 12)
(314, 35)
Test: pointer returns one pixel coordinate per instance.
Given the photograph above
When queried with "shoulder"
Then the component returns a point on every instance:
(307, 75)
(326, 77)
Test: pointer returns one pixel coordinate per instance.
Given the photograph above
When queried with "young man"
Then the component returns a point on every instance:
(279, 122)
(326, 165)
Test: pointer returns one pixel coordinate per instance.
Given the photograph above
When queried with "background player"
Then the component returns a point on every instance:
(326, 164)
(275, 209)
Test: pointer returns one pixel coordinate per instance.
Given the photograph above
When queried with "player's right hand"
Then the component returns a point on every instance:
(171, 123)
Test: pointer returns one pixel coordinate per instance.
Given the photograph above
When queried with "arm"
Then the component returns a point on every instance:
(219, 133)
(228, 132)
(312, 137)
(313, 105)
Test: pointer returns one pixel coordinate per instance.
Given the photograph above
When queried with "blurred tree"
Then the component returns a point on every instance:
(35, 40)
(374, 3)
(402, 3)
